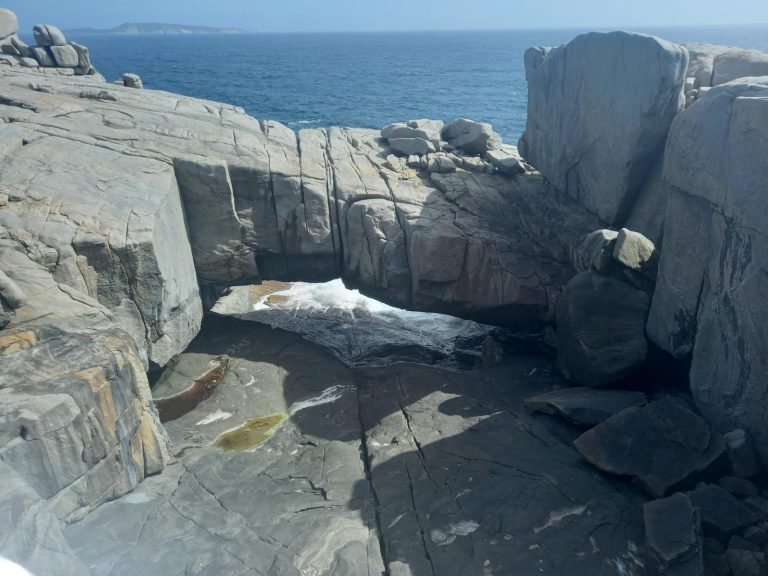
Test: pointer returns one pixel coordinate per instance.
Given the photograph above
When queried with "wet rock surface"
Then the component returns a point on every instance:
(404, 469)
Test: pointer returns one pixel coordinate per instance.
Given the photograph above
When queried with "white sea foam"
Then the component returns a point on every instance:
(214, 417)
(329, 395)
(8, 568)
(322, 297)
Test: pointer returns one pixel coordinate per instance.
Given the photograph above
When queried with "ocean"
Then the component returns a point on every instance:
(360, 79)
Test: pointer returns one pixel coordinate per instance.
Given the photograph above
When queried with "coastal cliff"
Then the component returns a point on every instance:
(632, 217)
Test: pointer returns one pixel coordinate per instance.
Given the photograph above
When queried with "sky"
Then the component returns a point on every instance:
(381, 15)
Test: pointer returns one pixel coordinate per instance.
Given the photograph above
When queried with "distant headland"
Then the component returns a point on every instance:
(156, 29)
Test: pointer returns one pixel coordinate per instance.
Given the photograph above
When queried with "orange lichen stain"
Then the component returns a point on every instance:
(251, 434)
(16, 342)
(96, 378)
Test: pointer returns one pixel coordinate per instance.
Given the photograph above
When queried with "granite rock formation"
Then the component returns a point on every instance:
(595, 141)
(694, 196)
(713, 265)
(51, 54)
(124, 213)
(120, 208)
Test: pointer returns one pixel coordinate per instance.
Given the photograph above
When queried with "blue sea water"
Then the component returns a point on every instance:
(361, 79)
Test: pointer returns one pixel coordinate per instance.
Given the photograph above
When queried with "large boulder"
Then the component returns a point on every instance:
(48, 35)
(472, 137)
(663, 446)
(423, 129)
(601, 330)
(65, 56)
(599, 110)
(132, 81)
(9, 24)
(411, 146)
(734, 64)
(722, 515)
(713, 65)
(701, 63)
(43, 56)
(713, 273)
(585, 406)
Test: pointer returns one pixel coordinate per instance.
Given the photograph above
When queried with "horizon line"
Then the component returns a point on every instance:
(246, 31)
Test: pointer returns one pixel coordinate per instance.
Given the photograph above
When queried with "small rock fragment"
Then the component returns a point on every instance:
(722, 515)
(132, 81)
(585, 406)
(673, 536)
(742, 456)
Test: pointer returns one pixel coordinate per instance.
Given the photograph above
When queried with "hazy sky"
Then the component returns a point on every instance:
(350, 15)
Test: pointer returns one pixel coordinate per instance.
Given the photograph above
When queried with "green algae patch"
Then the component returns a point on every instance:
(251, 434)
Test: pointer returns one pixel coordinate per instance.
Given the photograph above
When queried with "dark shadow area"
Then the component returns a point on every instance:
(461, 478)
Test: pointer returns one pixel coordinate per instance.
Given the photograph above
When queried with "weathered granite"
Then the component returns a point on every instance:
(712, 272)
(600, 330)
(398, 470)
(31, 535)
(51, 55)
(597, 140)
(121, 203)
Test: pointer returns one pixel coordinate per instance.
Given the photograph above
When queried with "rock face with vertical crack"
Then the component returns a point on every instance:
(400, 470)
(120, 207)
(714, 262)
(596, 140)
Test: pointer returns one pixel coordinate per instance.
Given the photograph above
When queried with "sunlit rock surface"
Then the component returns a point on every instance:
(713, 276)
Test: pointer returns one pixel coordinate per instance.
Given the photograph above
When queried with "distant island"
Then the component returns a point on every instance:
(156, 29)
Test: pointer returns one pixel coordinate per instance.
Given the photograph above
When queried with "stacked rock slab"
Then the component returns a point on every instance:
(601, 317)
(52, 54)
(703, 208)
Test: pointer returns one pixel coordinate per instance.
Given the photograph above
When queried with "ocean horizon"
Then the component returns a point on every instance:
(361, 79)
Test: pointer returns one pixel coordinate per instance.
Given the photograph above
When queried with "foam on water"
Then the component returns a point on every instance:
(303, 296)
(327, 397)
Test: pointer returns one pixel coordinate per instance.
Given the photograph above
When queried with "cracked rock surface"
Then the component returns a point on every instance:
(407, 469)
(123, 211)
